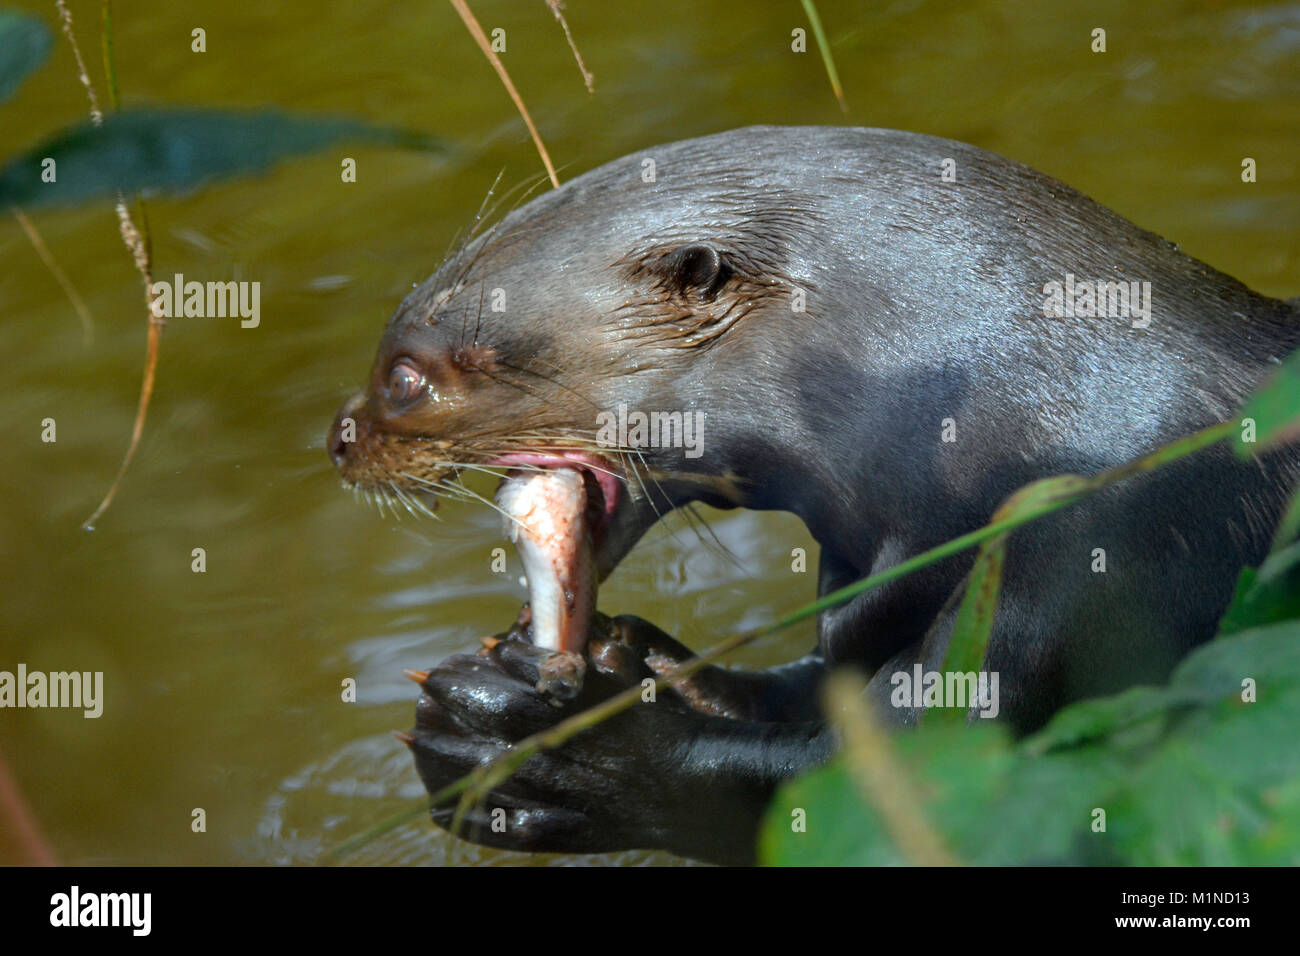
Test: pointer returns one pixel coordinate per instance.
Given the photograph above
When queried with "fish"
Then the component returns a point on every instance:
(546, 518)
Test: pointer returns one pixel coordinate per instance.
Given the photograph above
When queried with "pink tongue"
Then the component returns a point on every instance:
(547, 521)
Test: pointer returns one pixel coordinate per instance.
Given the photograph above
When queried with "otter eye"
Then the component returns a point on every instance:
(698, 268)
(404, 382)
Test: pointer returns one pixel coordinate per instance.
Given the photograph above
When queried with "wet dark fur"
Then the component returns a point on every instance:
(924, 302)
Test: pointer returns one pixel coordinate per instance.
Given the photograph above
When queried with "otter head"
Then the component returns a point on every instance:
(599, 307)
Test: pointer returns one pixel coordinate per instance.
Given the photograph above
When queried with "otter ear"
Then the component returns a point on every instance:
(696, 268)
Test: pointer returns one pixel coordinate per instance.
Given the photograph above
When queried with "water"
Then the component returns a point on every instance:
(223, 688)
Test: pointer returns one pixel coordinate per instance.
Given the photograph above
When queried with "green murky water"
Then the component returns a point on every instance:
(222, 688)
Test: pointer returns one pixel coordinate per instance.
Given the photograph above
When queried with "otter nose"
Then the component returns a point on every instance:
(337, 443)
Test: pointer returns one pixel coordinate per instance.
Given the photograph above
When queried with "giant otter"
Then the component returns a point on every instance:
(923, 311)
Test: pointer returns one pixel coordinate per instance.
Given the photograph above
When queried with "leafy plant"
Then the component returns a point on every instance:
(1188, 773)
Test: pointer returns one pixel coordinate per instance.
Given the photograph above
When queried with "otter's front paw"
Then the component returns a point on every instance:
(603, 790)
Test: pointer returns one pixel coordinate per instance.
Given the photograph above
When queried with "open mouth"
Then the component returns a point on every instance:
(567, 511)
(602, 481)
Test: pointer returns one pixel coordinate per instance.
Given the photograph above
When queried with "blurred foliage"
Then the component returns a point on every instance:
(24, 45)
(151, 150)
(1187, 773)
(1274, 410)
(177, 149)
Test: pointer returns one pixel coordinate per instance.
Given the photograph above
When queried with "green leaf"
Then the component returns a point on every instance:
(819, 820)
(1268, 595)
(1136, 711)
(24, 45)
(973, 627)
(1275, 410)
(838, 830)
(1190, 773)
(974, 624)
(178, 150)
